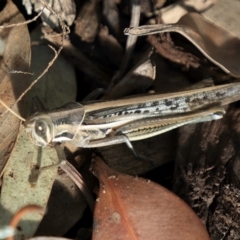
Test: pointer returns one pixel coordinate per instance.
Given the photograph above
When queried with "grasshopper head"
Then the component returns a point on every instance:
(39, 128)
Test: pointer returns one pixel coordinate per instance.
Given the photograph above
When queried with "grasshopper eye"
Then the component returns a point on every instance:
(40, 129)
(41, 133)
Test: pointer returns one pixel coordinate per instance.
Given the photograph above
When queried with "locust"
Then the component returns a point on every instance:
(105, 123)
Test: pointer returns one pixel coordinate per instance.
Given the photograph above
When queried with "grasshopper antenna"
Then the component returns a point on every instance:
(10, 110)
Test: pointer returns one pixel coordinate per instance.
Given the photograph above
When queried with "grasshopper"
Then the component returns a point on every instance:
(98, 124)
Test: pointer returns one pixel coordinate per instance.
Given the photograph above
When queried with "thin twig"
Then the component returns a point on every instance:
(23, 211)
(65, 30)
(77, 178)
(56, 54)
(131, 41)
(16, 71)
(10, 110)
(22, 23)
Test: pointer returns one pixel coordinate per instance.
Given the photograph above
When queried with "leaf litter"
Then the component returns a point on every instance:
(126, 206)
(130, 207)
(13, 56)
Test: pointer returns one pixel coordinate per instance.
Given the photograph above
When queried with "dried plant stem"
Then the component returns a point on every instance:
(22, 23)
(23, 211)
(56, 54)
(131, 42)
(77, 178)
(16, 71)
(65, 31)
(10, 110)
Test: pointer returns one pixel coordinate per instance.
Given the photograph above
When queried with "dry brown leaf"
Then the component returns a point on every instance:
(219, 46)
(56, 87)
(66, 205)
(150, 8)
(110, 46)
(112, 18)
(77, 58)
(134, 208)
(173, 12)
(87, 22)
(18, 189)
(67, 200)
(14, 57)
(225, 14)
(216, 44)
(66, 9)
(138, 79)
(199, 5)
(161, 148)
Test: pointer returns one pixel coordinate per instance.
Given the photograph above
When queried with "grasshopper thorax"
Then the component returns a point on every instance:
(39, 128)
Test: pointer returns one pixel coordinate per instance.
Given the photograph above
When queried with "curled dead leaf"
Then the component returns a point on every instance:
(111, 47)
(173, 12)
(65, 9)
(112, 18)
(14, 57)
(87, 22)
(216, 44)
(138, 79)
(25, 159)
(225, 14)
(134, 208)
